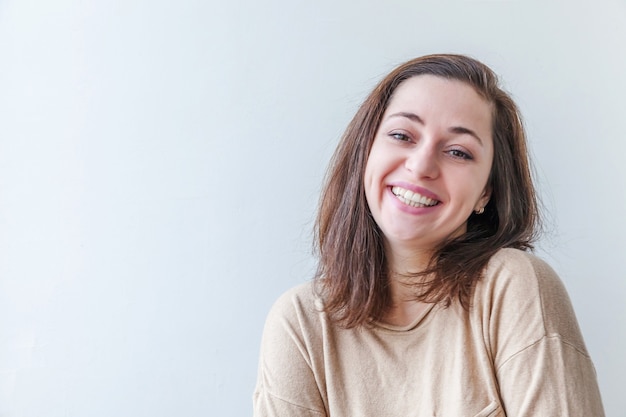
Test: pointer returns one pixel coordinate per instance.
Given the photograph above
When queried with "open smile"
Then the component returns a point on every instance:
(413, 199)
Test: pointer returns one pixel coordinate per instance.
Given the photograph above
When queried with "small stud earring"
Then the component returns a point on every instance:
(480, 210)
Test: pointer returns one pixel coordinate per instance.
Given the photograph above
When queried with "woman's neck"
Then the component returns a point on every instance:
(404, 263)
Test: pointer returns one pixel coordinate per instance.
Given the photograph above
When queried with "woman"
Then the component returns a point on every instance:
(426, 301)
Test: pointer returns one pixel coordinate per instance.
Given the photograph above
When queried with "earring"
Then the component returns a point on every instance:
(480, 210)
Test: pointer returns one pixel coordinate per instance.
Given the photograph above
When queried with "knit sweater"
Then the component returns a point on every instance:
(518, 351)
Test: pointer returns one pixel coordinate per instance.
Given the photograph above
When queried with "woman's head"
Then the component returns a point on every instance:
(428, 168)
(510, 180)
(510, 215)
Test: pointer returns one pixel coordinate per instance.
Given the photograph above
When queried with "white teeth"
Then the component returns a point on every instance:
(413, 199)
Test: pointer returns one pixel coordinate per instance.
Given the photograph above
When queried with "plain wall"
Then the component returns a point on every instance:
(160, 164)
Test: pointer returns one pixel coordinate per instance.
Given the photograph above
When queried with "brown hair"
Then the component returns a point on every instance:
(352, 274)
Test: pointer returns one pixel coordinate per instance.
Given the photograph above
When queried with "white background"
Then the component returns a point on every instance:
(160, 164)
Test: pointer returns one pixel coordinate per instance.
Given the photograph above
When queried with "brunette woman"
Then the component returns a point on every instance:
(426, 300)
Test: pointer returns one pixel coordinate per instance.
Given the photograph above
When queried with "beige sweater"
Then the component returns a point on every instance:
(517, 352)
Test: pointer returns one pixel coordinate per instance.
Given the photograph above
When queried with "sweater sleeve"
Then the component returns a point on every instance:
(286, 385)
(540, 359)
(550, 378)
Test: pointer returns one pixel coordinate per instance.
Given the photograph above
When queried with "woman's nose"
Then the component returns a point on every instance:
(422, 162)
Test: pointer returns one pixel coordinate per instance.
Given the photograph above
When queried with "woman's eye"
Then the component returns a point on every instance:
(400, 136)
(457, 153)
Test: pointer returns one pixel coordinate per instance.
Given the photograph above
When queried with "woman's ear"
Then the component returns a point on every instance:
(484, 198)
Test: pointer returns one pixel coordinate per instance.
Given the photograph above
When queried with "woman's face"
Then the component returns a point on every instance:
(430, 162)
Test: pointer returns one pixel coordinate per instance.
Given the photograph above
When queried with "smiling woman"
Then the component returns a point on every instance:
(427, 301)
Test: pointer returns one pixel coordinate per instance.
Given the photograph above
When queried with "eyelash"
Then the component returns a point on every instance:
(455, 153)
(402, 137)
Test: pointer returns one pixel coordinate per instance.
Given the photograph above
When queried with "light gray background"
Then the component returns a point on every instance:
(160, 164)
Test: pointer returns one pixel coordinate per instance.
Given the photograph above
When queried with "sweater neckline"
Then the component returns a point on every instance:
(411, 326)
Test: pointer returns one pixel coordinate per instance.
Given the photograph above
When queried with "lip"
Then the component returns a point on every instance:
(415, 188)
(410, 209)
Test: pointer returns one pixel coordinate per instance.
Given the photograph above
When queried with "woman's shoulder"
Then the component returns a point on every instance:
(517, 270)
(298, 305)
(301, 294)
(516, 258)
(521, 291)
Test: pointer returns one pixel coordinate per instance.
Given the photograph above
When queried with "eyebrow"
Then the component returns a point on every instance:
(460, 130)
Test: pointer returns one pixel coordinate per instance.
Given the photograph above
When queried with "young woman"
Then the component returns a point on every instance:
(426, 301)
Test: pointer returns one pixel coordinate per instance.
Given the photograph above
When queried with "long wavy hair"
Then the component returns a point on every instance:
(352, 274)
